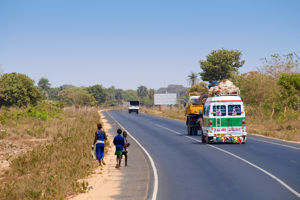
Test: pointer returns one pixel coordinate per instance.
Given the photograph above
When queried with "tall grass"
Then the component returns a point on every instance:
(283, 125)
(51, 170)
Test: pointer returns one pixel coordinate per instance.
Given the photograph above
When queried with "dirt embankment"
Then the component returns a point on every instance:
(11, 148)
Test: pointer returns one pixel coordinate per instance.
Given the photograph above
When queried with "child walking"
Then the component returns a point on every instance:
(126, 145)
(119, 143)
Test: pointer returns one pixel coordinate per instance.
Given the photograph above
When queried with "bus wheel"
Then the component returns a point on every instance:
(244, 140)
(209, 140)
(203, 139)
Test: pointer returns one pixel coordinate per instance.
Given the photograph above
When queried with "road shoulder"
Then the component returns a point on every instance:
(131, 182)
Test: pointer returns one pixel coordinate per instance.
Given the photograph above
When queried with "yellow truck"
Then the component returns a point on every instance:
(193, 112)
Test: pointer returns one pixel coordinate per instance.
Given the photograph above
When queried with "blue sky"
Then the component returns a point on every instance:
(132, 43)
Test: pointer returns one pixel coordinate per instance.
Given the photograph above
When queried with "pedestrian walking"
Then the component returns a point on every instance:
(99, 142)
(119, 143)
(126, 145)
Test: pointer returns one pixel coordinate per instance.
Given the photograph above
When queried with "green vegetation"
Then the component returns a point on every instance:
(44, 87)
(18, 90)
(76, 96)
(192, 78)
(220, 64)
(98, 92)
(199, 87)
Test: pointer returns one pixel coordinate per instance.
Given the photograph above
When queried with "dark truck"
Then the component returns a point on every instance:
(134, 106)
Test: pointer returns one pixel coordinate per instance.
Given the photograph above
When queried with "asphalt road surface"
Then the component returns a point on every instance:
(262, 168)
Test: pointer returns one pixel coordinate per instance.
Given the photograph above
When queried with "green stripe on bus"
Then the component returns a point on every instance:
(224, 122)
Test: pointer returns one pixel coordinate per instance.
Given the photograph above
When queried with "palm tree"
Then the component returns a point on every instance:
(44, 86)
(192, 78)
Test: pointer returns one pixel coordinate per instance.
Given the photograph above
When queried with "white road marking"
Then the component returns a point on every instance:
(242, 159)
(155, 186)
(284, 145)
(168, 129)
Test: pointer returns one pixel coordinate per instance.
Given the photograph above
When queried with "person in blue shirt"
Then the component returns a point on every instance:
(119, 143)
(100, 138)
(126, 145)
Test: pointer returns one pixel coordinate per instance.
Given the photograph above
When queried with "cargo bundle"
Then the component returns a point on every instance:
(226, 87)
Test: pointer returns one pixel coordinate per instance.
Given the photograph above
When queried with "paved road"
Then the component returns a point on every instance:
(132, 186)
(187, 169)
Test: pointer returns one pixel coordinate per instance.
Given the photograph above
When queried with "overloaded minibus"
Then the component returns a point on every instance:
(224, 120)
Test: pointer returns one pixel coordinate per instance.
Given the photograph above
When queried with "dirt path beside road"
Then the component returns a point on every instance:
(105, 183)
(125, 183)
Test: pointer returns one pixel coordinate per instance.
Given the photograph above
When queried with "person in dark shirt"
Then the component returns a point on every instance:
(119, 143)
(126, 145)
(100, 138)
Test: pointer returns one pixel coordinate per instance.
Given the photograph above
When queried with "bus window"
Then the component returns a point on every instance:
(234, 110)
(219, 110)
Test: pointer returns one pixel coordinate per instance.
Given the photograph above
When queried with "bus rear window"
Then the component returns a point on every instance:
(234, 110)
(219, 110)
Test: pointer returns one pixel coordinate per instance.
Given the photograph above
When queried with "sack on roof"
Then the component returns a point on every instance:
(226, 87)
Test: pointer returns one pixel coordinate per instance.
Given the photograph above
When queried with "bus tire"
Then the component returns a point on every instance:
(203, 139)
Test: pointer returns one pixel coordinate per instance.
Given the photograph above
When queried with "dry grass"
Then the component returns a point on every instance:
(289, 130)
(286, 129)
(51, 170)
(168, 112)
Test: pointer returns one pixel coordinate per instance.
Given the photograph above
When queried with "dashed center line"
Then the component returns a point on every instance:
(292, 147)
(242, 159)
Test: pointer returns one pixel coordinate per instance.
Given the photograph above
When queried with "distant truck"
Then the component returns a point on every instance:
(134, 106)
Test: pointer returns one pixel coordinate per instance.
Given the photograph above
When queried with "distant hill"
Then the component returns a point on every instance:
(172, 88)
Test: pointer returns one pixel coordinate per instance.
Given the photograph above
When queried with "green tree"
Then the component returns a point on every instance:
(98, 92)
(151, 95)
(119, 95)
(77, 96)
(290, 89)
(18, 90)
(44, 87)
(192, 78)
(130, 95)
(200, 87)
(142, 91)
(111, 97)
(53, 93)
(220, 64)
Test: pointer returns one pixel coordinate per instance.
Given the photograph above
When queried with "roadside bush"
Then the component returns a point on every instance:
(43, 110)
(18, 90)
